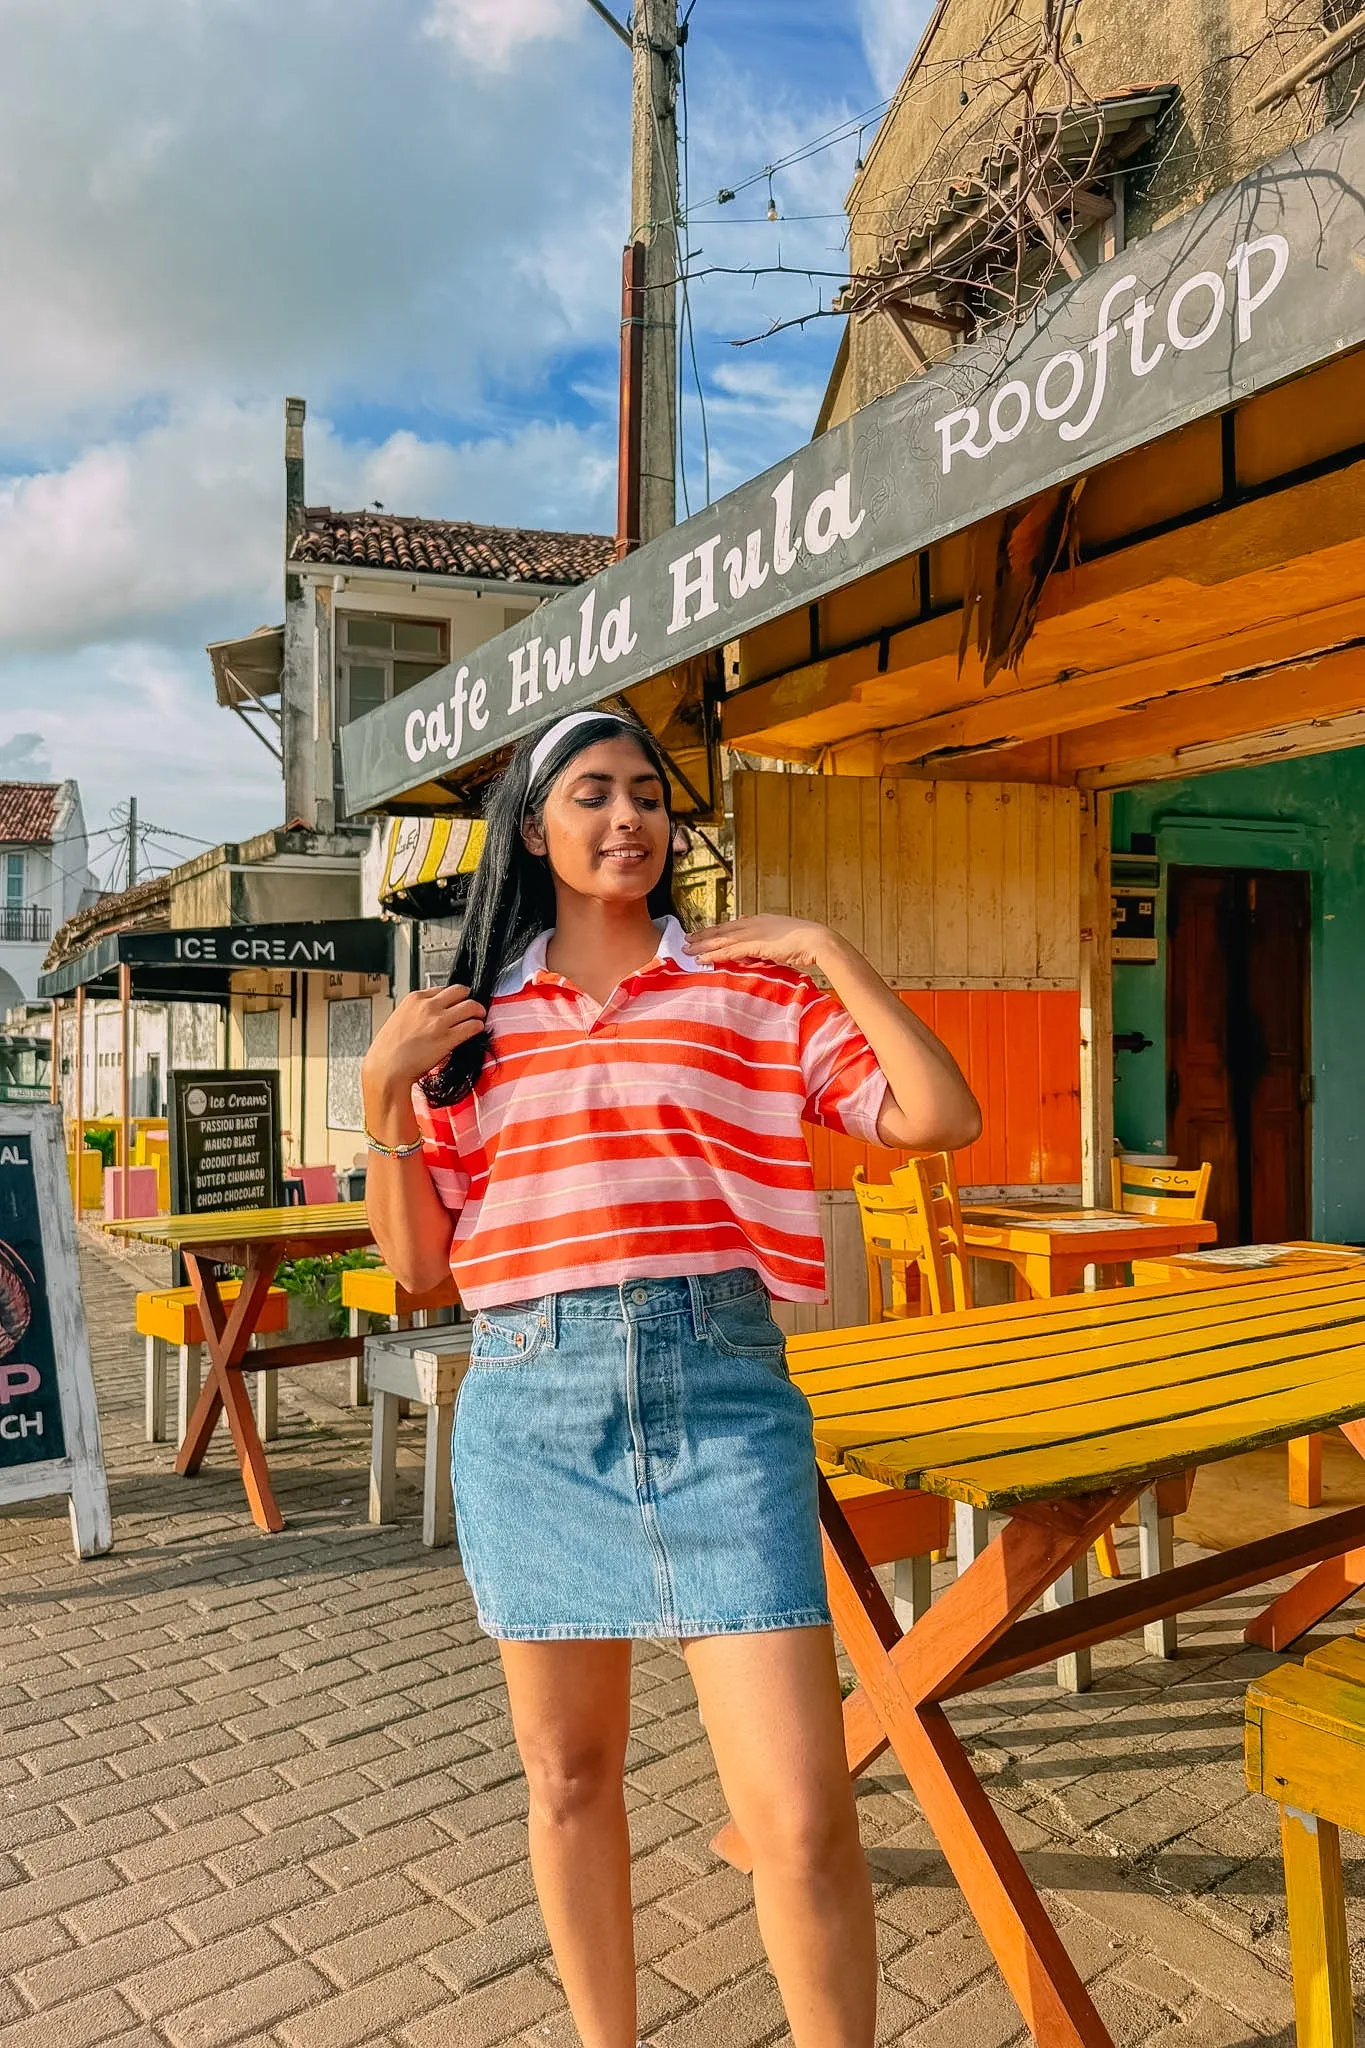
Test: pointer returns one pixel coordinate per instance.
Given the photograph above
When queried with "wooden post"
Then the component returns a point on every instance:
(654, 221)
(78, 1128)
(629, 404)
(1097, 1015)
(125, 991)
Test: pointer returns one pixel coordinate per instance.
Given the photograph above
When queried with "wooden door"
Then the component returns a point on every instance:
(1201, 1123)
(1237, 988)
(1274, 1065)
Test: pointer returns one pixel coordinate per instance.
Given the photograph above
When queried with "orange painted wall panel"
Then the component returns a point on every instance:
(1021, 1051)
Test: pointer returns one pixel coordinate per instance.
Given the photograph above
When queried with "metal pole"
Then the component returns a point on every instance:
(125, 990)
(632, 373)
(54, 1079)
(132, 842)
(654, 215)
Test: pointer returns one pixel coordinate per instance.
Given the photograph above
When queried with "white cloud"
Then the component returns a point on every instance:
(488, 31)
(140, 718)
(318, 197)
(137, 535)
(891, 32)
(24, 758)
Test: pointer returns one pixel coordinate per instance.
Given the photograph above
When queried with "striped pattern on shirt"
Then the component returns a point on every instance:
(659, 1135)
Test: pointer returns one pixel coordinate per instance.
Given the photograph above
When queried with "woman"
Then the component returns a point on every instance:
(597, 1128)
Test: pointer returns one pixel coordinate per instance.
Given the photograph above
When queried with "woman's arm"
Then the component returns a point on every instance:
(929, 1107)
(412, 1225)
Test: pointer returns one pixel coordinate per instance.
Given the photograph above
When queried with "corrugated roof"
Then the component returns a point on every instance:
(144, 907)
(969, 205)
(449, 547)
(28, 812)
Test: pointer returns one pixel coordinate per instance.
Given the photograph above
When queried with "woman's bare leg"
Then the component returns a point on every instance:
(571, 1717)
(773, 1714)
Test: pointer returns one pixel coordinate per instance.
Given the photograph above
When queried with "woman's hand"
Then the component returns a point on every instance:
(786, 941)
(421, 1033)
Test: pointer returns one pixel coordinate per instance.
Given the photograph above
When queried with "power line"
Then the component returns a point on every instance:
(617, 28)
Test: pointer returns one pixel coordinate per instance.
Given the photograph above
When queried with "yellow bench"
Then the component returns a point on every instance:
(170, 1321)
(373, 1291)
(1305, 1749)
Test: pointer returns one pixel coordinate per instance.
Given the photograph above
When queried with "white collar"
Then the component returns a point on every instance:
(672, 947)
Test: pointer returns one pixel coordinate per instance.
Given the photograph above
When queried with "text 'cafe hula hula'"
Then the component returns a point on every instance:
(1172, 749)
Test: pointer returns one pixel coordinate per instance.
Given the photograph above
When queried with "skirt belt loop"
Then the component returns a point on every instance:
(698, 1307)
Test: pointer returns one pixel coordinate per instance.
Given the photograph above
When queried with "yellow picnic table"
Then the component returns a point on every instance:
(1050, 1244)
(257, 1240)
(1057, 1414)
(1293, 1261)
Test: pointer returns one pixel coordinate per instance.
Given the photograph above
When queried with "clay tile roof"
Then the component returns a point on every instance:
(28, 812)
(449, 547)
(144, 907)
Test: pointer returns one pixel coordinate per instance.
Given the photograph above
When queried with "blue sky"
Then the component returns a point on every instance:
(409, 211)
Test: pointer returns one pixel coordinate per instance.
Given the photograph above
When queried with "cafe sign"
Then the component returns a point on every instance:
(1264, 281)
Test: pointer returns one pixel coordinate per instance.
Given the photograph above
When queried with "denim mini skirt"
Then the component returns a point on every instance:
(633, 1461)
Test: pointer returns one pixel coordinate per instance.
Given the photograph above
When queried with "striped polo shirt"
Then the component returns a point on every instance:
(657, 1135)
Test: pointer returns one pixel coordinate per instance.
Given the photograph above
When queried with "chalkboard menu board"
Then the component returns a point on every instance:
(49, 1425)
(225, 1141)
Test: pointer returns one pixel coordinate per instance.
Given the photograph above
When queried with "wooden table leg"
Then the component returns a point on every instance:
(226, 1336)
(1305, 1471)
(1318, 1591)
(896, 1705)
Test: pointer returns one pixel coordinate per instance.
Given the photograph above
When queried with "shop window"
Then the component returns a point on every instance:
(350, 1025)
(155, 1106)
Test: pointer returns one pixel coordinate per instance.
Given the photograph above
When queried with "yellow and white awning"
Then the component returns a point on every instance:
(424, 852)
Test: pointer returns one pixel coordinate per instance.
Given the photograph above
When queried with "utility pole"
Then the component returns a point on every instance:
(132, 842)
(654, 210)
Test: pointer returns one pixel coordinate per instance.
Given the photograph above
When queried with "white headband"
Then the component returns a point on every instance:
(540, 752)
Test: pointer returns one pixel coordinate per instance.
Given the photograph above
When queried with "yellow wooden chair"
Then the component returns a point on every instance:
(1305, 1749)
(894, 1242)
(944, 1273)
(1176, 1192)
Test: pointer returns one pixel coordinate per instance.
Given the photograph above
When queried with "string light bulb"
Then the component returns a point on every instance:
(858, 160)
(1076, 40)
(772, 202)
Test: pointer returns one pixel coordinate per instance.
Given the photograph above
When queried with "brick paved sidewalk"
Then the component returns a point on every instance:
(263, 1791)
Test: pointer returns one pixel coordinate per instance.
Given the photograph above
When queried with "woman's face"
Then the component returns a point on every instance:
(605, 827)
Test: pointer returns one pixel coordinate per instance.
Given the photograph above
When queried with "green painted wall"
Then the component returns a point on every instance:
(1309, 815)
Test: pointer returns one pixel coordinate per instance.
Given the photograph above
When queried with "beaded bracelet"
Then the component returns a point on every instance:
(392, 1151)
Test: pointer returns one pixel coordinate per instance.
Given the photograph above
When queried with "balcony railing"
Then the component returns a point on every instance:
(25, 925)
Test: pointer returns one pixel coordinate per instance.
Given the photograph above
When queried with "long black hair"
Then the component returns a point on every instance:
(512, 896)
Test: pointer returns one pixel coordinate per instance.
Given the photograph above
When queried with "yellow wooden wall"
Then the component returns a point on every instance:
(941, 884)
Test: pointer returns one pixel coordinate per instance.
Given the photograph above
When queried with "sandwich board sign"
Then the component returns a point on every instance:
(225, 1140)
(49, 1424)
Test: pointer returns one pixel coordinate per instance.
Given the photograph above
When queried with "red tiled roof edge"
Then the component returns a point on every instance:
(449, 547)
(28, 812)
